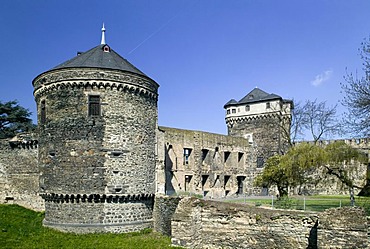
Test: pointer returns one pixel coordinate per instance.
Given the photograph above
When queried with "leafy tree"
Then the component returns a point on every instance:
(274, 174)
(338, 157)
(13, 119)
(357, 96)
(295, 168)
(290, 170)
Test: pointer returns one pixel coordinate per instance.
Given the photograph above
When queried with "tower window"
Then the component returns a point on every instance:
(247, 108)
(228, 111)
(106, 48)
(233, 110)
(260, 162)
(43, 112)
(94, 105)
(268, 105)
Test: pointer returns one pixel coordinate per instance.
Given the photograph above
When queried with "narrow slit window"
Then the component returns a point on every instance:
(43, 112)
(94, 105)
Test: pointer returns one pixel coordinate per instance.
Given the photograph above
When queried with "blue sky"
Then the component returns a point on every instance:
(202, 53)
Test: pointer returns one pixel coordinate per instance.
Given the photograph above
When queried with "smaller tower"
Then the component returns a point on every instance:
(262, 118)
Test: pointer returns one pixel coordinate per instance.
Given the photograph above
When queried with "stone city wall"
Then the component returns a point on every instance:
(19, 173)
(208, 224)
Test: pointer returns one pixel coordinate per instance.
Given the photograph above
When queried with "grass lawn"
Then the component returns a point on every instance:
(309, 203)
(22, 228)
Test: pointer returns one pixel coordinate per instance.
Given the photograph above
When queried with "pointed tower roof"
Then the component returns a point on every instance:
(101, 56)
(256, 95)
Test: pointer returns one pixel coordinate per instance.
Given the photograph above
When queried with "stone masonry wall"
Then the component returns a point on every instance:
(164, 209)
(111, 215)
(216, 165)
(19, 173)
(102, 163)
(207, 224)
(265, 130)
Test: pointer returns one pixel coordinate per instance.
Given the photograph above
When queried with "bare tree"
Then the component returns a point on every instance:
(319, 119)
(357, 96)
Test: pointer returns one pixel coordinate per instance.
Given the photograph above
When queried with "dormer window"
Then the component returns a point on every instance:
(106, 48)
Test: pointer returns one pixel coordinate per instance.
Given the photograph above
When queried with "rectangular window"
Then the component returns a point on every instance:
(187, 153)
(260, 162)
(204, 154)
(94, 105)
(228, 111)
(233, 110)
(226, 155)
(43, 112)
(247, 108)
(240, 156)
(268, 106)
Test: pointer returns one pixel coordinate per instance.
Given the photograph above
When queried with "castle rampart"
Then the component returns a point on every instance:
(19, 173)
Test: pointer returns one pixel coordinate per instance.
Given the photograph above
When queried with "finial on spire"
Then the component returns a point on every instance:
(103, 35)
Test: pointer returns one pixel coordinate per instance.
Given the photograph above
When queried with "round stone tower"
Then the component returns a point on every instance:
(97, 117)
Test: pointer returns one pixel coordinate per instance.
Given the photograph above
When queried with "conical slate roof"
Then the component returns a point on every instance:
(101, 56)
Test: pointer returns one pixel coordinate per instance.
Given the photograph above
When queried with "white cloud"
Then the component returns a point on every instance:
(321, 78)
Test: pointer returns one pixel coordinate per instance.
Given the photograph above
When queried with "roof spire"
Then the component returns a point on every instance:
(103, 35)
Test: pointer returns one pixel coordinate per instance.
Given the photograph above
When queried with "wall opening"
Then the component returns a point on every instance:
(260, 162)
(240, 156)
(187, 182)
(226, 180)
(43, 112)
(240, 180)
(94, 105)
(204, 154)
(187, 153)
(226, 156)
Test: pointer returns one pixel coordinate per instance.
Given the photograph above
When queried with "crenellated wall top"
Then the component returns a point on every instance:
(362, 143)
(95, 77)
